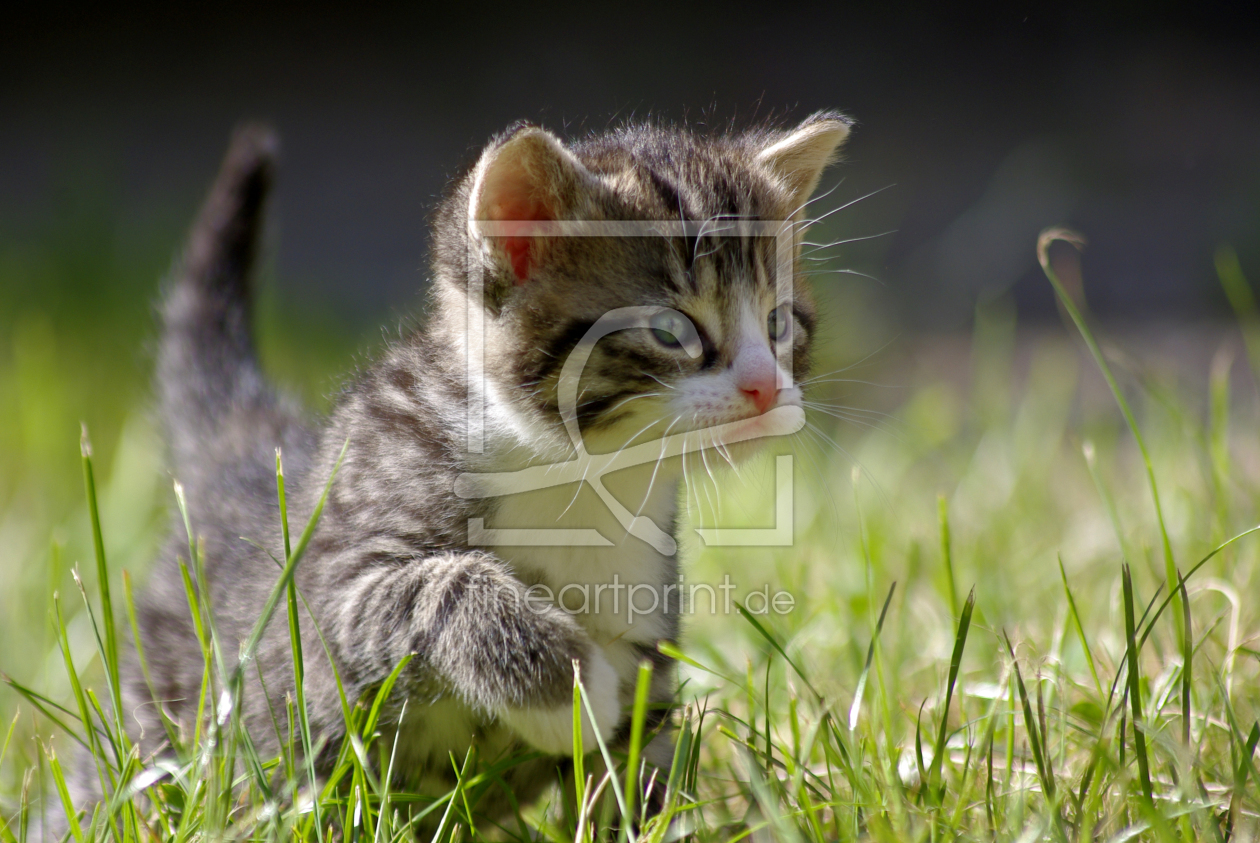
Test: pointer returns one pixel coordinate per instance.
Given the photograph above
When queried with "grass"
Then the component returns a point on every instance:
(1099, 680)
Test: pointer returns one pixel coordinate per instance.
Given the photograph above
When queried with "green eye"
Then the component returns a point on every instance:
(668, 328)
(778, 322)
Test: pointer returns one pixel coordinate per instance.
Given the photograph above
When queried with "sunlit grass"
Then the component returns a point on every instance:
(995, 632)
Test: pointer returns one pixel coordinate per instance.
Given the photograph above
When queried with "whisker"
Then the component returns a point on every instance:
(717, 511)
(655, 378)
(814, 199)
(823, 379)
(847, 204)
(865, 275)
(863, 411)
(852, 459)
(871, 424)
(626, 401)
(834, 243)
(813, 451)
(855, 364)
(657, 466)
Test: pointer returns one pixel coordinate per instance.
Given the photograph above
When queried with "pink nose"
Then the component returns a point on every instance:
(761, 394)
(759, 384)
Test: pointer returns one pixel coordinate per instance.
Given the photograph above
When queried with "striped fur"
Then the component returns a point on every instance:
(391, 570)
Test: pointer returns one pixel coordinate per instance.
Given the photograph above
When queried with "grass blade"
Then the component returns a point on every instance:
(1240, 779)
(757, 625)
(947, 556)
(59, 779)
(1035, 738)
(1080, 630)
(281, 586)
(102, 576)
(856, 708)
(1187, 658)
(638, 717)
(1242, 301)
(1135, 686)
(42, 704)
(295, 643)
(1047, 237)
(955, 659)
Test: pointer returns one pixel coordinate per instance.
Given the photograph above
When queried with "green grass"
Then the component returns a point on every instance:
(1024, 609)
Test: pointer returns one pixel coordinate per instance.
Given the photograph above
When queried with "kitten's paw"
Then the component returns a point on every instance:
(551, 729)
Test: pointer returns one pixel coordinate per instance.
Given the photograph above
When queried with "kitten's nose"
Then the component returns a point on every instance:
(762, 394)
(756, 375)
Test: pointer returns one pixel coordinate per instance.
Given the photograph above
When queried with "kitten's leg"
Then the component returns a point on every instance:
(472, 625)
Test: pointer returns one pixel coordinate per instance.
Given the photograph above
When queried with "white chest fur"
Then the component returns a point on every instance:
(614, 589)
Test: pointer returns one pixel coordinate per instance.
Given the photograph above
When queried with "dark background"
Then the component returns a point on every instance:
(1138, 123)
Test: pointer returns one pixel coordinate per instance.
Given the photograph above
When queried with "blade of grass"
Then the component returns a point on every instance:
(59, 779)
(757, 625)
(133, 620)
(4, 747)
(668, 649)
(638, 717)
(1187, 660)
(918, 749)
(42, 704)
(947, 556)
(1080, 629)
(579, 761)
(382, 695)
(281, 586)
(1047, 237)
(1162, 606)
(295, 642)
(1240, 779)
(85, 713)
(1031, 726)
(955, 659)
(102, 576)
(117, 738)
(1242, 301)
(1135, 686)
(856, 708)
(603, 751)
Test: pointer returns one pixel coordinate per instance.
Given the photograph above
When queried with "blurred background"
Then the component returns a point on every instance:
(1136, 123)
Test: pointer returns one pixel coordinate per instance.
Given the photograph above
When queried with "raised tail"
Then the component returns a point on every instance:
(222, 418)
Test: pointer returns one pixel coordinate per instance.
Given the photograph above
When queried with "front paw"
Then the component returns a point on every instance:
(550, 729)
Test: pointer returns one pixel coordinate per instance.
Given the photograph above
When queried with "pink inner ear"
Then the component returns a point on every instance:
(522, 248)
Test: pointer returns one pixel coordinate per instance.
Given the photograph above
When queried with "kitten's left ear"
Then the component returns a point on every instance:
(799, 157)
(526, 178)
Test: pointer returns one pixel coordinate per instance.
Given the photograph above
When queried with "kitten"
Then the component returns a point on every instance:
(418, 550)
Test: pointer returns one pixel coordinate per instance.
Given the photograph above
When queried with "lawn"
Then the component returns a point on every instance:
(1023, 602)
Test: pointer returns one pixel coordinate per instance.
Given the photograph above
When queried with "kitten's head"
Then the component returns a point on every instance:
(719, 312)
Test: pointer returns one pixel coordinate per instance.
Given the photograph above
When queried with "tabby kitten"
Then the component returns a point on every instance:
(418, 551)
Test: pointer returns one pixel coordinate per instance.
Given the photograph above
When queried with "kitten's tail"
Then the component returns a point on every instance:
(215, 402)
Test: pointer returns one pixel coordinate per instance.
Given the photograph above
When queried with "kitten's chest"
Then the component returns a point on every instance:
(575, 552)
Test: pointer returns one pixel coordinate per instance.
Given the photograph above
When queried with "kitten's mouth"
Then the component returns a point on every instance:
(777, 421)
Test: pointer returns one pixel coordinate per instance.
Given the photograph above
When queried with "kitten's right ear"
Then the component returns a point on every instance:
(525, 179)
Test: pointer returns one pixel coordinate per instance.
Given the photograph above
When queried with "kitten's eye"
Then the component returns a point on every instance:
(669, 328)
(778, 322)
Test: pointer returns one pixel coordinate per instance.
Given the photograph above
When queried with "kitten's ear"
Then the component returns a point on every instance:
(799, 157)
(524, 179)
